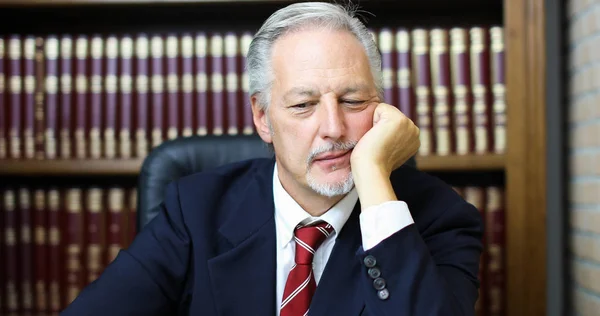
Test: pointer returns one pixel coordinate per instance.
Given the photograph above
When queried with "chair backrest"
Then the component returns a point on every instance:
(180, 157)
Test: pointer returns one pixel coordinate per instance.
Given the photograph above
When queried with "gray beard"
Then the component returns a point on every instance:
(331, 189)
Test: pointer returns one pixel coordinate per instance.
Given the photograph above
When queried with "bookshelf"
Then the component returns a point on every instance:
(523, 164)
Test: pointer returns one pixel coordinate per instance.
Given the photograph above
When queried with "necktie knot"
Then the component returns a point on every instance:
(308, 239)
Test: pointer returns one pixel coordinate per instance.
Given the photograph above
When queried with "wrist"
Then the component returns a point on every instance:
(373, 185)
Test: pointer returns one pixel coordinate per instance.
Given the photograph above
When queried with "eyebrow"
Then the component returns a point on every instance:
(306, 91)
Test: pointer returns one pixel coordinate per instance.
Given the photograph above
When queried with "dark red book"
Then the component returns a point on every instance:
(247, 106)
(498, 89)
(461, 88)
(74, 231)
(82, 83)
(173, 84)
(142, 81)
(58, 236)
(52, 86)
(477, 197)
(3, 106)
(496, 251)
(201, 72)
(15, 96)
(40, 255)
(11, 251)
(217, 83)
(110, 97)
(442, 93)
(386, 47)
(157, 89)
(66, 97)
(406, 93)
(25, 251)
(232, 84)
(125, 97)
(480, 85)
(95, 233)
(30, 82)
(116, 234)
(39, 125)
(96, 96)
(424, 100)
(187, 83)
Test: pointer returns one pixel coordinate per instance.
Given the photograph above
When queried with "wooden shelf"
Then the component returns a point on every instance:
(70, 167)
(132, 166)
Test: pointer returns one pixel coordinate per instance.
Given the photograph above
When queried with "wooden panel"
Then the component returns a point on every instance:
(526, 157)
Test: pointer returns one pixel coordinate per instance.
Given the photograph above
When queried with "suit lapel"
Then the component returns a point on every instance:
(339, 290)
(243, 278)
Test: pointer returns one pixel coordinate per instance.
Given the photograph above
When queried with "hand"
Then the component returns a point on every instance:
(392, 140)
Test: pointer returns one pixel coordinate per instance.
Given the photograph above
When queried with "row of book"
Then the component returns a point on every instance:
(96, 96)
(58, 240)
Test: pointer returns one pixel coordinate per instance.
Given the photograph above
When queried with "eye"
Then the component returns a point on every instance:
(353, 102)
(304, 105)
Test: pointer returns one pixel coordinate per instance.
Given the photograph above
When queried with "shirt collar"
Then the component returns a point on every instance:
(288, 213)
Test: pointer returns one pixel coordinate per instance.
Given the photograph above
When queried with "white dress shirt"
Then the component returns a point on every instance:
(376, 223)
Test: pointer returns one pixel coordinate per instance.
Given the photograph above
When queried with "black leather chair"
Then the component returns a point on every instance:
(176, 158)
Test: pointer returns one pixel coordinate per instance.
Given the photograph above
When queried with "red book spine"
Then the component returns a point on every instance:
(75, 274)
(141, 86)
(11, 251)
(66, 84)
(3, 109)
(232, 82)
(56, 286)
(172, 52)
(29, 98)
(95, 233)
(216, 84)
(406, 94)
(110, 103)
(495, 228)
(498, 88)
(187, 83)
(125, 98)
(461, 88)
(423, 91)
(440, 71)
(51, 83)
(39, 116)
(26, 251)
(116, 224)
(201, 52)
(96, 103)
(132, 214)
(41, 257)
(386, 44)
(81, 101)
(480, 76)
(16, 90)
(157, 55)
(248, 118)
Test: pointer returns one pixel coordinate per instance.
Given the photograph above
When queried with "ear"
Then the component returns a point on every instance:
(260, 120)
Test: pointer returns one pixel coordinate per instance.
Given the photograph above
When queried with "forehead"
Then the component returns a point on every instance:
(320, 57)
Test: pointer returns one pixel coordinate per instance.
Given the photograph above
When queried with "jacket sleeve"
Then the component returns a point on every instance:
(148, 277)
(431, 273)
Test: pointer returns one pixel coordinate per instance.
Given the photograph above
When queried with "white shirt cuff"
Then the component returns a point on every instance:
(378, 222)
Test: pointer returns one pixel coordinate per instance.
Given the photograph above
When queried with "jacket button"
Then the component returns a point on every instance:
(370, 261)
(383, 294)
(374, 273)
(379, 284)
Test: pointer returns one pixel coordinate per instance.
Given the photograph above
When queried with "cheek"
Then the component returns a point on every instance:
(360, 123)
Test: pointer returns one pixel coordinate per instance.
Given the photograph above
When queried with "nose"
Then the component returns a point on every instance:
(331, 116)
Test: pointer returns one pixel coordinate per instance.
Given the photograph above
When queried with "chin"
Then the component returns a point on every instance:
(336, 183)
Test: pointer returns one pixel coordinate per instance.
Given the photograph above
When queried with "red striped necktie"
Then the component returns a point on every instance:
(300, 285)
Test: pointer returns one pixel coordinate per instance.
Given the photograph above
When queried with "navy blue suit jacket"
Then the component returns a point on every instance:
(211, 251)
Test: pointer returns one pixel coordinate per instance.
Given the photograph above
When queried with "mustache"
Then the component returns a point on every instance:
(329, 147)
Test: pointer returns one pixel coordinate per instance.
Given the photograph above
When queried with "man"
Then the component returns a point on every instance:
(334, 224)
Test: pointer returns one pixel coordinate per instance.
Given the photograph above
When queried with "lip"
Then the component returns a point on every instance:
(331, 155)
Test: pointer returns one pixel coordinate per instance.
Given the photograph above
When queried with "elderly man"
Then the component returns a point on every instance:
(334, 225)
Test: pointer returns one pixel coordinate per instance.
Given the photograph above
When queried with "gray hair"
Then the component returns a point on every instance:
(295, 17)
